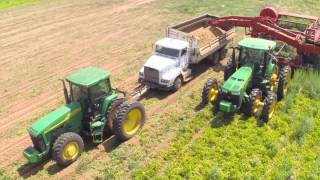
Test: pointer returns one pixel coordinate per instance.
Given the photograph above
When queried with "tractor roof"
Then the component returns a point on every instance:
(257, 43)
(88, 76)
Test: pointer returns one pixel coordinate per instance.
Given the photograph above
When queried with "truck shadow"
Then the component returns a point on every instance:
(27, 170)
(197, 70)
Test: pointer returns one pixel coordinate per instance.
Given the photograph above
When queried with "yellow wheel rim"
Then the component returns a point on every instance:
(274, 79)
(213, 93)
(257, 106)
(272, 109)
(71, 151)
(133, 122)
(288, 78)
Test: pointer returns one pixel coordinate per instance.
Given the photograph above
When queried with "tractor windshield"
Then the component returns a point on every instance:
(248, 55)
(79, 93)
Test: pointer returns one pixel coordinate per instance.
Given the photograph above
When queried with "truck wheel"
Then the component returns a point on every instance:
(177, 84)
(67, 148)
(213, 59)
(210, 92)
(229, 70)
(269, 106)
(285, 77)
(255, 104)
(129, 119)
(111, 113)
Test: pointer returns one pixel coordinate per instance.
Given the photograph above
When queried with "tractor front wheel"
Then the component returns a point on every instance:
(269, 106)
(255, 104)
(67, 148)
(285, 77)
(129, 120)
(210, 92)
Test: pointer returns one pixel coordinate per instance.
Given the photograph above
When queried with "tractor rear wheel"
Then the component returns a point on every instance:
(269, 106)
(255, 104)
(210, 92)
(67, 148)
(285, 77)
(111, 113)
(129, 120)
(274, 79)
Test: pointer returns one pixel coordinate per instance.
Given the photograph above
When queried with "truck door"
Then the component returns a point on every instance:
(184, 59)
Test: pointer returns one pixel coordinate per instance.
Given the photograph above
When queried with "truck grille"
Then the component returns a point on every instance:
(38, 143)
(151, 75)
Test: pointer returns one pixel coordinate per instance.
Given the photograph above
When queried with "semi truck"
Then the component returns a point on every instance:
(185, 44)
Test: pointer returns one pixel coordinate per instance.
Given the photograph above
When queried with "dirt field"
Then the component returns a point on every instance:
(47, 41)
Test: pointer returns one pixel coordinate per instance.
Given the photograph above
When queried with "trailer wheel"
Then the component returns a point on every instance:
(223, 53)
(255, 103)
(285, 77)
(269, 106)
(229, 70)
(67, 148)
(210, 92)
(177, 84)
(129, 120)
(111, 114)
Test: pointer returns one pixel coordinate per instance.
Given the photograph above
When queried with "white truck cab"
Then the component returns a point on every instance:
(164, 69)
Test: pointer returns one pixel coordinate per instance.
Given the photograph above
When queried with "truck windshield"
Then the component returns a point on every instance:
(167, 51)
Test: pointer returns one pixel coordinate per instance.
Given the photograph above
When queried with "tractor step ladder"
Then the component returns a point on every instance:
(96, 128)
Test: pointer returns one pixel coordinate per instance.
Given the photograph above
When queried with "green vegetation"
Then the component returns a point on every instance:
(234, 147)
(5, 4)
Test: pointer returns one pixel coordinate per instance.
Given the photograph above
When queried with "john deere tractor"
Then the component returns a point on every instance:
(253, 82)
(92, 109)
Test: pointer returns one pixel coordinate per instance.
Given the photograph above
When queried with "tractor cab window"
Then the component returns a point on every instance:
(101, 89)
(248, 55)
(80, 94)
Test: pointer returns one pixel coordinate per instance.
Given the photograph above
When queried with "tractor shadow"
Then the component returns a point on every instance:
(27, 170)
(197, 70)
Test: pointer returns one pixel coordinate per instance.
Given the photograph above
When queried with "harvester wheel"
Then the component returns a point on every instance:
(67, 148)
(269, 106)
(229, 70)
(210, 92)
(111, 113)
(129, 119)
(285, 77)
(255, 104)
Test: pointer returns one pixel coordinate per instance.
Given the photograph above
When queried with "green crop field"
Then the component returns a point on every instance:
(179, 141)
(5, 4)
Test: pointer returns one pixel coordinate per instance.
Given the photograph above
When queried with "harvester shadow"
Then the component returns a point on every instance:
(27, 170)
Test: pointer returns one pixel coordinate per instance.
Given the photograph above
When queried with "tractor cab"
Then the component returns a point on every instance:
(89, 87)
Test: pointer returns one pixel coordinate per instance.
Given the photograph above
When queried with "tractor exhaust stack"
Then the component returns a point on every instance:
(65, 92)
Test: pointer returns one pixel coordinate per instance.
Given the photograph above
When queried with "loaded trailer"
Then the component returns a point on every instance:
(185, 44)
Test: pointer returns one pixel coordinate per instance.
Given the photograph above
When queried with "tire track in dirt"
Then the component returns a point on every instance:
(13, 149)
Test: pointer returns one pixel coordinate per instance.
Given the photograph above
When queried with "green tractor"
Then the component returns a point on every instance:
(253, 82)
(93, 108)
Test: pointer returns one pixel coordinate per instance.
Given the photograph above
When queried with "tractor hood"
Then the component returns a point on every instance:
(55, 118)
(239, 80)
(160, 63)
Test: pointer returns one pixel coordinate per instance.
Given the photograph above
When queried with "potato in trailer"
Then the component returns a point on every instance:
(186, 43)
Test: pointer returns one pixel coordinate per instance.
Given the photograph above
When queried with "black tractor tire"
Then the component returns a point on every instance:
(229, 70)
(206, 91)
(111, 114)
(67, 140)
(253, 97)
(123, 116)
(285, 77)
(269, 106)
(177, 84)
